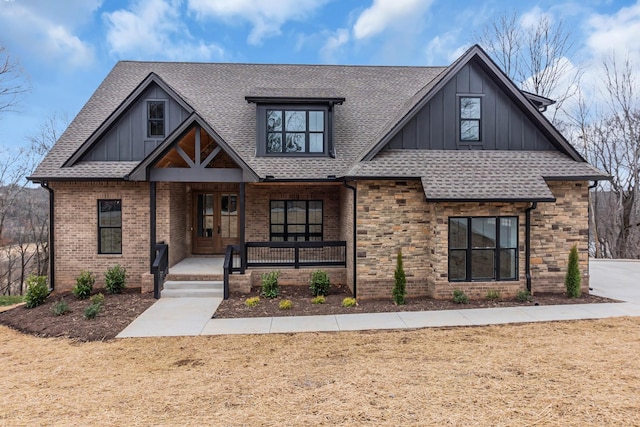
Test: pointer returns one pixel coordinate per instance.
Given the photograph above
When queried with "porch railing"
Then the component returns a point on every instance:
(160, 268)
(296, 254)
(232, 262)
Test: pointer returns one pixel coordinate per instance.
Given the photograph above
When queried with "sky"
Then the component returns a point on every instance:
(67, 47)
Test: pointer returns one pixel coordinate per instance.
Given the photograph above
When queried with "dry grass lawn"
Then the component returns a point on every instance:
(563, 373)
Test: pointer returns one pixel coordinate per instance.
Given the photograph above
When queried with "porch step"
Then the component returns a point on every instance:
(193, 289)
(192, 277)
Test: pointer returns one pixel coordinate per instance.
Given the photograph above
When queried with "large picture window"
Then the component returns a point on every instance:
(109, 226)
(483, 248)
(295, 220)
(470, 118)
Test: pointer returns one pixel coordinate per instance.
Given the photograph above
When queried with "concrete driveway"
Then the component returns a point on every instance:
(617, 279)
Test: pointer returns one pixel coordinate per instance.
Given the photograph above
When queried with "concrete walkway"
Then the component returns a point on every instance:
(619, 280)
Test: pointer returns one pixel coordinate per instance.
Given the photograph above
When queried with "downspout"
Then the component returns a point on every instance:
(52, 272)
(355, 248)
(527, 248)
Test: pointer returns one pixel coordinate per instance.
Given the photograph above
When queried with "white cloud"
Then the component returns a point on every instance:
(47, 30)
(334, 43)
(152, 29)
(444, 49)
(388, 13)
(266, 17)
(615, 33)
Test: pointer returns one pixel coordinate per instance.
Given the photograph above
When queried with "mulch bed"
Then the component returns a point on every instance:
(120, 310)
(301, 297)
(117, 312)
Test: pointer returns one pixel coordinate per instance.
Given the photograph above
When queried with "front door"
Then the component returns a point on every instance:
(216, 222)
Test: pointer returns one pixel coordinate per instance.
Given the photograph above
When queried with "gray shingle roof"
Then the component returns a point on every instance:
(374, 96)
(479, 175)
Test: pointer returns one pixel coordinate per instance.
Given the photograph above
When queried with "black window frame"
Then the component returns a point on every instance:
(262, 133)
(462, 119)
(284, 235)
(162, 121)
(108, 227)
(497, 250)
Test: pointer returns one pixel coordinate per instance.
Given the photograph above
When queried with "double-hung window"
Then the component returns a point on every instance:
(110, 226)
(470, 118)
(155, 119)
(483, 248)
(295, 220)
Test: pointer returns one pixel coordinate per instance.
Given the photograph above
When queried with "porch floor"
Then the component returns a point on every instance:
(204, 265)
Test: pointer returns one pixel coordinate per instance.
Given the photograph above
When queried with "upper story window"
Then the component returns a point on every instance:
(295, 131)
(294, 122)
(470, 118)
(155, 119)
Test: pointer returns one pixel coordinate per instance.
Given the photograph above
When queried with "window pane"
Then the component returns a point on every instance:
(483, 232)
(277, 228)
(295, 121)
(458, 233)
(469, 130)
(296, 229)
(315, 212)
(274, 142)
(274, 120)
(508, 264)
(482, 264)
(277, 212)
(156, 128)
(315, 229)
(508, 232)
(111, 240)
(316, 142)
(110, 213)
(156, 110)
(457, 265)
(316, 121)
(470, 108)
(295, 142)
(296, 212)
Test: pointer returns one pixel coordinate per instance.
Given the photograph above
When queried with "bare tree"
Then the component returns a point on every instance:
(538, 56)
(13, 84)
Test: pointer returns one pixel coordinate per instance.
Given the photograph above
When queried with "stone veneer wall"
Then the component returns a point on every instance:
(393, 215)
(346, 230)
(556, 227)
(76, 230)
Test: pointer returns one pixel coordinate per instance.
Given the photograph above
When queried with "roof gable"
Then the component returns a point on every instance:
(122, 136)
(481, 61)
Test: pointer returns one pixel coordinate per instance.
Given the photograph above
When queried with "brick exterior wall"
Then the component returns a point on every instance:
(556, 227)
(76, 230)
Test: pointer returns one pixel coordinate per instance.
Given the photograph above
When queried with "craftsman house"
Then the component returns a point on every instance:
(300, 167)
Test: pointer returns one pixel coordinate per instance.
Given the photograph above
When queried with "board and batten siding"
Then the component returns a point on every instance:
(127, 139)
(504, 125)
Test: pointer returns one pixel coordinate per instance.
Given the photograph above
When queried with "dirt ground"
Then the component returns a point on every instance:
(559, 373)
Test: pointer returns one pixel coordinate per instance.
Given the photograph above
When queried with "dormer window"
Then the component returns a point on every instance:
(295, 131)
(155, 119)
(294, 126)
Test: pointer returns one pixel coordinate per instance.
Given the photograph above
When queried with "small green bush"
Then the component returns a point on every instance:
(115, 279)
(400, 286)
(37, 291)
(252, 302)
(572, 279)
(84, 285)
(270, 287)
(493, 295)
(349, 302)
(320, 299)
(60, 308)
(92, 311)
(459, 297)
(97, 299)
(319, 283)
(285, 304)
(523, 295)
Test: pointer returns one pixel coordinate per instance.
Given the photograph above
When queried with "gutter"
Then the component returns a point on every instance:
(355, 222)
(52, 271)
(527, 256)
